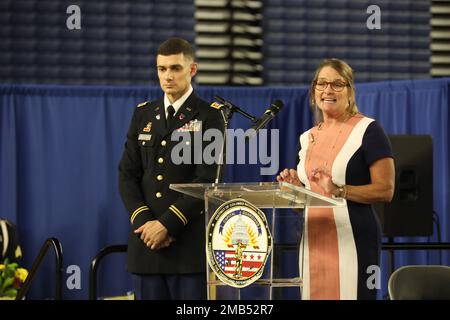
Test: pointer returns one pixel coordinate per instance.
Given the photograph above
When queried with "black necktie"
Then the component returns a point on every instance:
(170, 113)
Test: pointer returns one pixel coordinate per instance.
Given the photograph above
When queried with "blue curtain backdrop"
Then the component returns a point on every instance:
(60, 147)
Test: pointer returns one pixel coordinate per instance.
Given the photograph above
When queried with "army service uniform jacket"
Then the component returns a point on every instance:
(145, 172)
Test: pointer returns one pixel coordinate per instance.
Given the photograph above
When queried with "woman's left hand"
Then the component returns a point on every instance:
(322, 178)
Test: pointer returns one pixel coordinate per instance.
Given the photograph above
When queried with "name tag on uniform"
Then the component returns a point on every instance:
(145, 137)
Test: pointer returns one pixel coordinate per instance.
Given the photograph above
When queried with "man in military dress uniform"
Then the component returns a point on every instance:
(166, 245)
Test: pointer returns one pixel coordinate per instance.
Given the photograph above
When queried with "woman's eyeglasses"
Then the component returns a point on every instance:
(337, 85)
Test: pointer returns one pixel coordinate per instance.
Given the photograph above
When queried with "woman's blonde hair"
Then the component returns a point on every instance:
(344, 71)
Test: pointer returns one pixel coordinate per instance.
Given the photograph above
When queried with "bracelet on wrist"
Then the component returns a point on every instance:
(342, 191)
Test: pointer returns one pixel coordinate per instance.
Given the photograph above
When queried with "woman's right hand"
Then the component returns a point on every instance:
(289, 176)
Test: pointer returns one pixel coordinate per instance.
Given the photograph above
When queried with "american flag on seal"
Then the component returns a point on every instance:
(251, 262)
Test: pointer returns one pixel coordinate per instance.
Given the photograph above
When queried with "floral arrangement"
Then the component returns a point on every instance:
(11, 278)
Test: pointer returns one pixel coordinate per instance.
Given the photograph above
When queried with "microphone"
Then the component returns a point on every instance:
(268, 115)
(225, 104)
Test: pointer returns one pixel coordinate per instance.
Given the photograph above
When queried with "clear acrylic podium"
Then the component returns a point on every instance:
(267, 196)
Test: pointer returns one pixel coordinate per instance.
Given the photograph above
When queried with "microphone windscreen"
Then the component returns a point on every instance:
(275, 107)
(277, 104)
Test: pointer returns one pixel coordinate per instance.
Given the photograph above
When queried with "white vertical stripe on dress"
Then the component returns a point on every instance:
(348, 258)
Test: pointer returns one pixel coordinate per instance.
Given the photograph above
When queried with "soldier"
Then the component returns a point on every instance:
(166, 245)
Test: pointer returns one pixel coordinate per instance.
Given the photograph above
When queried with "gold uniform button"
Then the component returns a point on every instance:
(159, 177)
(158, 194)
(163, 143)
(160, 160)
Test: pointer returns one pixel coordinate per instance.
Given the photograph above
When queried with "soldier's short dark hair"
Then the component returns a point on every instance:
(175, 46)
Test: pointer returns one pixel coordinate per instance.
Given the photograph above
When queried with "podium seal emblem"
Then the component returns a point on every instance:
(238, 243)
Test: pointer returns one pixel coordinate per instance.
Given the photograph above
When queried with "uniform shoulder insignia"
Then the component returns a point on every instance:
(216, 105)
(143, 104)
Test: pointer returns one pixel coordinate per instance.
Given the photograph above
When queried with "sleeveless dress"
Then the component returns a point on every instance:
(341, 246)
